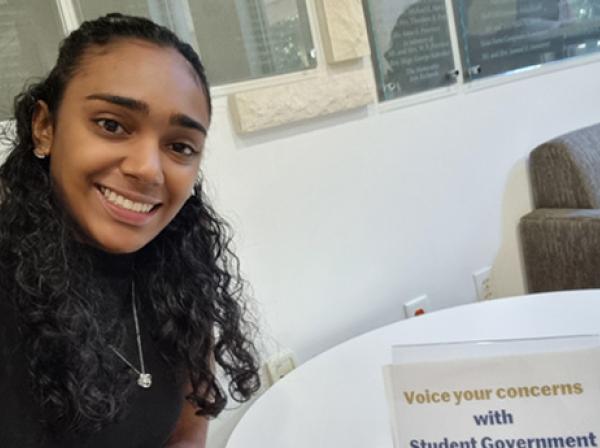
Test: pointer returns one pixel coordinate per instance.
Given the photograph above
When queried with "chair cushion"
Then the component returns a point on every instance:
(561, 249)
(565, 171)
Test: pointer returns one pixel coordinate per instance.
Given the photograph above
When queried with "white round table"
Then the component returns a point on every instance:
(336, 400)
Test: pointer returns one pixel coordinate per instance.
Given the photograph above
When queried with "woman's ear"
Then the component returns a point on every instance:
(42, 127)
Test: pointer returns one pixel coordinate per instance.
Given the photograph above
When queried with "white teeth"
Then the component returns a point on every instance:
(125, 203)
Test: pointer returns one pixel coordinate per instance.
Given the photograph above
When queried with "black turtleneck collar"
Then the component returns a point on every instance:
(110, 265)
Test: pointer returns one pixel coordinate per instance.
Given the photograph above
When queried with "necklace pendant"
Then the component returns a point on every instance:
(144, 380)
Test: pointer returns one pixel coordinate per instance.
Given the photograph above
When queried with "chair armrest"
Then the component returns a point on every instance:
(561, 249)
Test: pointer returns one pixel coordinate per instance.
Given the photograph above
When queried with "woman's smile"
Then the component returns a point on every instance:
(128, 211)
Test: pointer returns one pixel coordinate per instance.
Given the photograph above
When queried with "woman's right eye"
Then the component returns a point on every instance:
(110, 126)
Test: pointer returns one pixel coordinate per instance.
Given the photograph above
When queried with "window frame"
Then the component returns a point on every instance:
(70, 22)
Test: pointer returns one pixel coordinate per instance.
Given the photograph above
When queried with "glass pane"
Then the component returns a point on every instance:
(30, 31)
(499, 36)
(247, 39)
(237, 39)
(411, 46)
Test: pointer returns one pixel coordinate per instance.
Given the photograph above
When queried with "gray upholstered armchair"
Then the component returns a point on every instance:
(561, 237)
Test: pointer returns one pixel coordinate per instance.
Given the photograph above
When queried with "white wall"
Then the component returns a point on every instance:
(340, 221)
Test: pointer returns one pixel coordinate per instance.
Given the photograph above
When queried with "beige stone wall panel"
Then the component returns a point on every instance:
(344, 30)
(275, 106)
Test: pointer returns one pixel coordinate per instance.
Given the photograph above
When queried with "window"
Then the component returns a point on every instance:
(30, 31)
(237, 39)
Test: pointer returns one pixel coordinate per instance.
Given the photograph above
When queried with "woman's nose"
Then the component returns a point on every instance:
(143, 162)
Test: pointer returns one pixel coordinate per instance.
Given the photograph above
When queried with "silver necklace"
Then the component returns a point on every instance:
(144, 378)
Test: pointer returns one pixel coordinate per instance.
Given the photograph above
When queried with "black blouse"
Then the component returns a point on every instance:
(152, 413)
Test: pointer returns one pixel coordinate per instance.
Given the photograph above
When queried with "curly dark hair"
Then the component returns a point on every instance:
(190, 275)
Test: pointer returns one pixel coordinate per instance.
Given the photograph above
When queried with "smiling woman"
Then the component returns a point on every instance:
(120, 295)
(143, 130)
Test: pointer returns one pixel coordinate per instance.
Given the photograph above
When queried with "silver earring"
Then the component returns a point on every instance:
(39, 155)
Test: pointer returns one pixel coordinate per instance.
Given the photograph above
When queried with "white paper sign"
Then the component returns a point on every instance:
(544, 400)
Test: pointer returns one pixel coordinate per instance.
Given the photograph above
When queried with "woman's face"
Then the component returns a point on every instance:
(126, 143)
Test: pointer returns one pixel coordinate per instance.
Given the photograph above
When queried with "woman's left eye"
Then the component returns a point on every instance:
(183, 149)
(111, 126)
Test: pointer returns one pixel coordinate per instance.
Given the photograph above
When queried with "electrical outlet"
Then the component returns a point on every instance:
(483, 283)
(280, 365)
(417, 306)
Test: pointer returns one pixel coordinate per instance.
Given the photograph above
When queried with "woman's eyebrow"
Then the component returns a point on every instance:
(140, 106)
(187, 122)
(129, 103)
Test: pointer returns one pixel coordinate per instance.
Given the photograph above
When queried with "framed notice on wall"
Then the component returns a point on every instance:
(500, 36)
(410, 40)
(540, 393)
